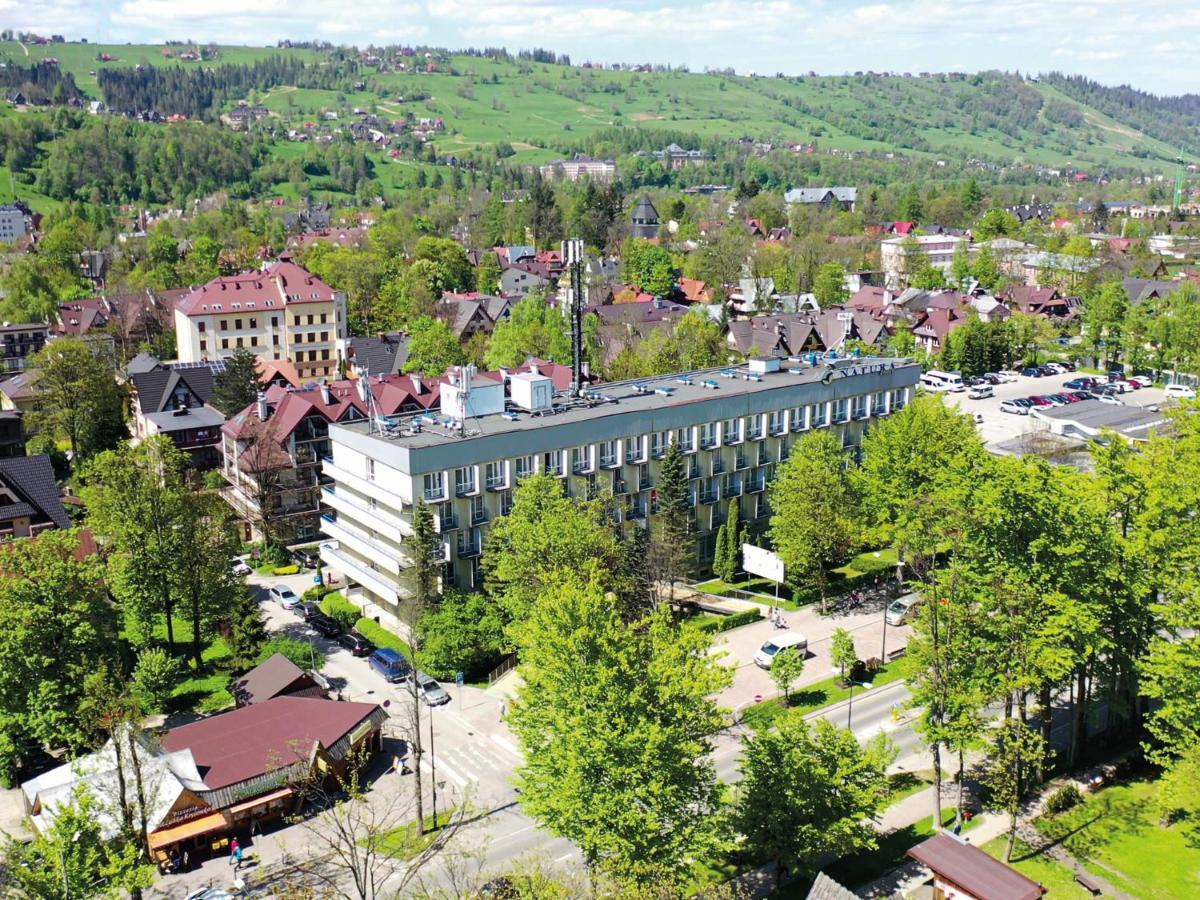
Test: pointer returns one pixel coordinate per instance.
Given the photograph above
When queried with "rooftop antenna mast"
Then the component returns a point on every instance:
(572, 254)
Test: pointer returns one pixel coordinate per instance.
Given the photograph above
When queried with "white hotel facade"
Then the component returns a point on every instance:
(734, 426)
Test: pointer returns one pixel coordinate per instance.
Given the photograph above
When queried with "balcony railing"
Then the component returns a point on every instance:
(643, 482)
(718, 465)
(707, 442)
(742, 461)
(732, 489)
(755, 485)
(469, 550)
(499, 483)
(754, 434)
(478, 517)
(620, 487)
(763, 455)
(464, 488)
(609, 461)
(708, 497)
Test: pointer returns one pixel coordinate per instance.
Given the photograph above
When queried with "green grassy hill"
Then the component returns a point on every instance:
(545, 111)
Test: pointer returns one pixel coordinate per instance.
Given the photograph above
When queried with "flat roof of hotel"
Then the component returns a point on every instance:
(643, 394)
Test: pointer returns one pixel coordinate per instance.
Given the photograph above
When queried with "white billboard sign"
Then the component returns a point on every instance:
(758, 561)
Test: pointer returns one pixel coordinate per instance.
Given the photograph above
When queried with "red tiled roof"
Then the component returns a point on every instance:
(695, 290)
(238, 745)
(281, 284)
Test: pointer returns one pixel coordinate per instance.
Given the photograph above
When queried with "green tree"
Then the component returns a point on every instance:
(56, 626)
(728, 556)
(74, 858)
(77, 397)
(463, 633)
(1104, 314)
(247, 629)
(986, 270)
(841, 650)
(154, 678)
(829, 287)
(545, 218)
(971, 196)
(786, 667)
(810, 791)
(1016, 756)
(432, 347)
(487, 275)
(648, 266)
(996, 223)
(534, 328)
(640, 699)
(238, 385)
(451, 259)
(960, 266)
(911, 207)
(206, 540)
(671, 542)
(137, 500)
(814, 510)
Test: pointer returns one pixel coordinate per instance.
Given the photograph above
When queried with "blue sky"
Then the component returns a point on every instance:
(1142, 43)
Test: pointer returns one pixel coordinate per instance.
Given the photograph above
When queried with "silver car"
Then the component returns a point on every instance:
(284, 596)
(428, 689)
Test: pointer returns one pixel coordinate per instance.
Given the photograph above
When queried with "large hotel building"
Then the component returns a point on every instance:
(734, 426)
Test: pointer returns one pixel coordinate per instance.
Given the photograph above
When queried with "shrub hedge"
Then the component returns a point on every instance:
(286, 570)
(725, 623)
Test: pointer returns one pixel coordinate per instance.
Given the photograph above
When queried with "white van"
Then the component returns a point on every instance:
(943, 381)
(1179, 392)
(789, 640)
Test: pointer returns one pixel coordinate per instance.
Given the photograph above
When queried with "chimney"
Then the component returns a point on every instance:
(264, 411)
(326, 395)
(535, 369)
(587, 370)
(416, 383)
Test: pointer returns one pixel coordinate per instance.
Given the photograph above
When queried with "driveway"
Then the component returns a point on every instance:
(752, 684)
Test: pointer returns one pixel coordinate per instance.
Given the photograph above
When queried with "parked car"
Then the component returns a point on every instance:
(1110, 400)
(428, 689)
(902, 609)
(1055, 368)
(1046, 370)
(1116, 375)
(1080, 395)
(306, 559)
(324, 625)
(356, 643)
(1039, 401)
(1007, 375)
(1143, 380)
(992, 378)
(981, 392)
(1057, 399)
(1068, 364)
(1118, 387)
(1032, 372)
(1104, 388)
(1179, 392)
(284, 596)
(789, 641)
(1131, 384)
(1016, 407)
(1065, 396)
(306, 611)
(240, 568)
(390, 664)
(1078, 384)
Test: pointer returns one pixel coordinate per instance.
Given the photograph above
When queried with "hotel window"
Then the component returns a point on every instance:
(310, 318)
(799, 417)
(203, 346)
(581, 459)
(524, 467)
(224, 343)
(659, 441)
(202, 327)
(608, 454)
(687, 439)
(254, 323)
(323, 318)
(224, 324)
(506, 503)
(820, 415)
(324, 335)
(478, 510)
(708, 435)
(841, 410)
(777, 424)
(297, 321)
(731, 432)
(464, 481)
(497, 476)
(435, 486)
(552, 462)
(754, 428)
(237, 324)
(635, 449)
(859, 407)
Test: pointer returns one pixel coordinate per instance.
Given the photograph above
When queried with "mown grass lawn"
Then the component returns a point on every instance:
(1116, 834)
(1058, 880)
(813, 697)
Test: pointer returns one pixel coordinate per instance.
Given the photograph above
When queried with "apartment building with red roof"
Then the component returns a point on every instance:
(282, 312)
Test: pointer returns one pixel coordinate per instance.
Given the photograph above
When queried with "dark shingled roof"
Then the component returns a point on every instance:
(236, 746)
(972, 871)
(154, 388)
(31, 479)
(825, 888)
(273, 677)
(380, 355)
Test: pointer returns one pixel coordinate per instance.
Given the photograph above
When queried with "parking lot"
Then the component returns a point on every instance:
(996, 426)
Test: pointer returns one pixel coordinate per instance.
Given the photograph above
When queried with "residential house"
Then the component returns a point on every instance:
(676, 157)
(624, 326)
(276, 676)
(30, 501)
(1039, 301)
(173, 400)
(695, 291)
(1138, 290)
(843, 198)
(1041, 268)
(280, 312)
(272, 450)
(791, 334)
(13, 224)
(19, 342)
(518, 279)
(18, 393)
(381, 354)
(472, 313)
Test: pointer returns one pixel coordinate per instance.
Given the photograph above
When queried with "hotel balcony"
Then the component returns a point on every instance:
(378, 583)
(356, 508)
(363, 485)
(385, 554)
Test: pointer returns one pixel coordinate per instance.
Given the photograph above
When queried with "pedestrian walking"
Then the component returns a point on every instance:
(234, 850)
(503, 707)
(237, 858)
(187, 860)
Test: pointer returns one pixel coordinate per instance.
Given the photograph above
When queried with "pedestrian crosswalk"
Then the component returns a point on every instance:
(481, 765)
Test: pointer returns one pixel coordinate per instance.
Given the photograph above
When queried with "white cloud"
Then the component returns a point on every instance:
(1085, 36)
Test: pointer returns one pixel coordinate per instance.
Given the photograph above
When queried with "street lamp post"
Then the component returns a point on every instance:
(433, 770)
(850, 703)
